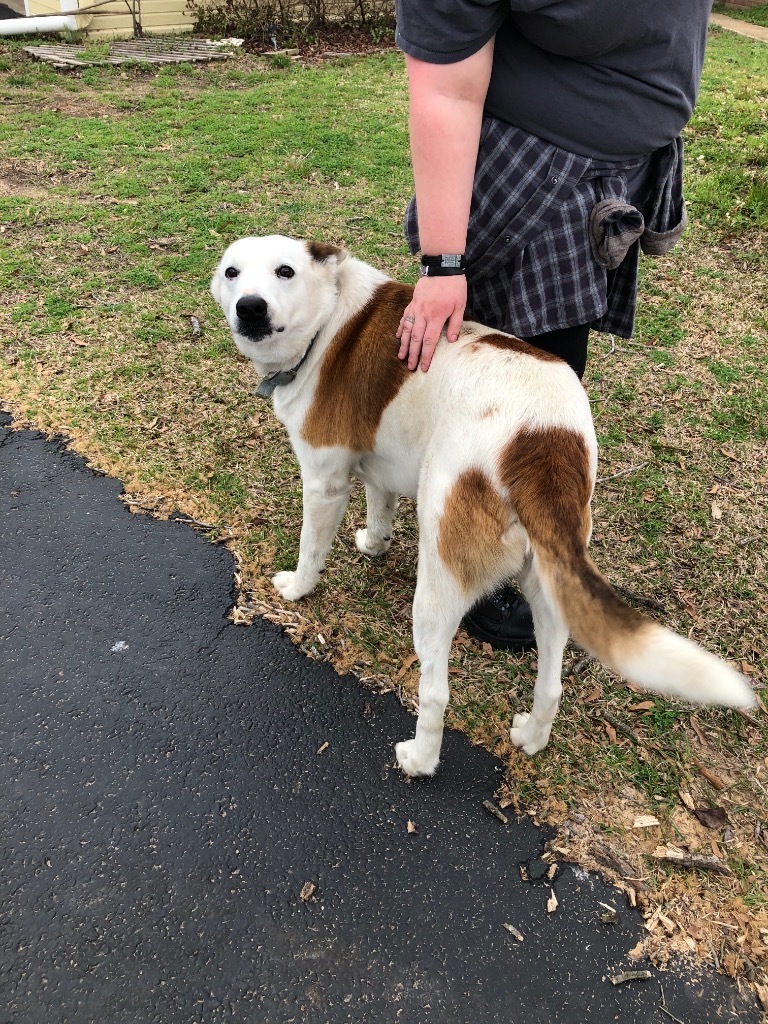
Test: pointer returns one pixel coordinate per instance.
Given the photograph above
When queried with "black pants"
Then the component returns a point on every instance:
(570, 343)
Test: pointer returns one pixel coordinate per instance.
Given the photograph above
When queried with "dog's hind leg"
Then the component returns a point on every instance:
(531, 731)
(325, 502)
(438, 606)
(381, 506)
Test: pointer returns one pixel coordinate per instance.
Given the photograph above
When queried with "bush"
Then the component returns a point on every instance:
(281, 22)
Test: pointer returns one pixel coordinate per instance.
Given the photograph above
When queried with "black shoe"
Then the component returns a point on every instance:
(502, 620)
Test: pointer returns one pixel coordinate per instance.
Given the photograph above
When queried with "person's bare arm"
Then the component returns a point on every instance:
(446, 111)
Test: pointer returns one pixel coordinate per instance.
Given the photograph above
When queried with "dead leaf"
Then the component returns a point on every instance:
(717, 512)
(610, 731)
(645, 705)
(307, 891)
(711, 817)
(409, 661)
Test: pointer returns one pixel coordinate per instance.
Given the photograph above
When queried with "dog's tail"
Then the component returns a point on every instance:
(636, 647)
(549, 484)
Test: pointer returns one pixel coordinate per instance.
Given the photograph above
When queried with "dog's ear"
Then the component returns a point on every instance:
(216, 285)
(322, 252)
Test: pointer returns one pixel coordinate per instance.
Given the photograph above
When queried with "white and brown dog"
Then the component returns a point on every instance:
(495, 442)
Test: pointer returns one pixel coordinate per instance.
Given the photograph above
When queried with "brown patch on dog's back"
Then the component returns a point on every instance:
(511, 344)
(360, 374)
(473, 521)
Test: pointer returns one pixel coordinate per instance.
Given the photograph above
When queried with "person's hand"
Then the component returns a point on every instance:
(437, 302)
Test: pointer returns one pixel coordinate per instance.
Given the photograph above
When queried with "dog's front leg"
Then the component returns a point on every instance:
(325, 502)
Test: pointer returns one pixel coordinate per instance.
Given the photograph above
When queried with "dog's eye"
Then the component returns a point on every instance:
(285, 272)
(231, 273)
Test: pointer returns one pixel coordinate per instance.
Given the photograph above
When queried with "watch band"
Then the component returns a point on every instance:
(444, 265)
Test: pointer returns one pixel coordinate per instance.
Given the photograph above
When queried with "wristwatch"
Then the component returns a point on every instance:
(445, 265)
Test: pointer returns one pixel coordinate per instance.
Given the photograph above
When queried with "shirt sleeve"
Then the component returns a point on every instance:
(446, 31)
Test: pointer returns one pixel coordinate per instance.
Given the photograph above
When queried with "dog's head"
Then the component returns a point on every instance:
(276, 293)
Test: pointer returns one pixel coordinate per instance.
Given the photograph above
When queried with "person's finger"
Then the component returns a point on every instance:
(414, 349)
(428, 346)
(406, 323)
(405, 333)
(454, 325)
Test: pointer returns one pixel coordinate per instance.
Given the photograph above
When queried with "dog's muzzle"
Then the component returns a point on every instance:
(253, 316)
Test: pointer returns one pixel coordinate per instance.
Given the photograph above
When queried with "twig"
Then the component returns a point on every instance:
(620, 727)
(704, 861)
(645, 602)
(748, 718)
(663, 1008)
(194, 522)
(494, 810)
(622, 472)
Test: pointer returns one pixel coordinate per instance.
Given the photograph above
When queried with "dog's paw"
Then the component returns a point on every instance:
(370, 545)
(412, 762)
(290, 587)
(527, 737)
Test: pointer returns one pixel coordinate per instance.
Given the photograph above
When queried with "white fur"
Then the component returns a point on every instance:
(456, 417)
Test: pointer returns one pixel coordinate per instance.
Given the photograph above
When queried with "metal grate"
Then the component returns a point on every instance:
(157, 50)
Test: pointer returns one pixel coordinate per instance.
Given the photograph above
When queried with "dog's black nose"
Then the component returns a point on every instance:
(251, 308)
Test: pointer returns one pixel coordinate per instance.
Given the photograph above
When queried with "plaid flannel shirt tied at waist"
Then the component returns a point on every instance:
(553, 236)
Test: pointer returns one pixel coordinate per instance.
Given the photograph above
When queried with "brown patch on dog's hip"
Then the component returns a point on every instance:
(474, 520)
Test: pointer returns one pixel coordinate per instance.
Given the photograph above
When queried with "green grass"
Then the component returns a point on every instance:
(119, 190)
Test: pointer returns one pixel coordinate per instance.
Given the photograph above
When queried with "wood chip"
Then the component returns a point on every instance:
(645, 821)
(307, 892)
(687, 799)
(322, 749)
(513, 931)
(412, 830)
(552, 903)
(609, 914)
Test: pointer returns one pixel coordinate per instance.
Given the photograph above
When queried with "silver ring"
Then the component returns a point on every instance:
(410, 319)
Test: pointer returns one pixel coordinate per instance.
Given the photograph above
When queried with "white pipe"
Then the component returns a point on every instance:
(39, 26)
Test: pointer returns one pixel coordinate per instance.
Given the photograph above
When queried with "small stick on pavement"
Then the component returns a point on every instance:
(622, 979)
(494, 810)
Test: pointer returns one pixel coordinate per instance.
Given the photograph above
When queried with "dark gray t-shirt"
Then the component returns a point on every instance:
(602, 78)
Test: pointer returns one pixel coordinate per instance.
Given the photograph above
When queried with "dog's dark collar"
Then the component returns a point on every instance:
(282, 377)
